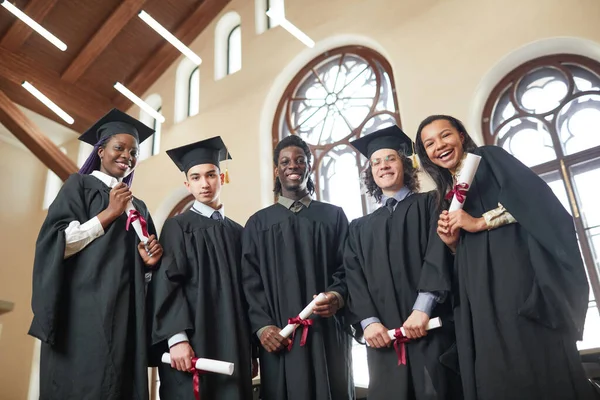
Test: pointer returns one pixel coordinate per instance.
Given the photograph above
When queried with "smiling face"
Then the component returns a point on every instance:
(443, 144)
(204, 182)
(293, 170)
(388, 171)
(119, 155)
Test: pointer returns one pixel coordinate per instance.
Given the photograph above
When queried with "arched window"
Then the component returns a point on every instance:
(339, 96)
(228, 45)
(185, 204)
(234, 50)
(187, 90)
(263, 22)
(546, 113)
(194, 93)
(151, 146)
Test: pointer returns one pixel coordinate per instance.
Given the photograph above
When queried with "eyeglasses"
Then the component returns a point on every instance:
(390, 158)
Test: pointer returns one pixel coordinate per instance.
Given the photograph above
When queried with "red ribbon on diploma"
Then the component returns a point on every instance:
(460, 190)
(305, 324)
(196, 379)
(134, 215)
(399, 346)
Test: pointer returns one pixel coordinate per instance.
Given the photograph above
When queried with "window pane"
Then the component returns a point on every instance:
(542, 90)
(194, 93)
(340, 181)
(579, 124)
(234, 50)
(527, 139)
(586, 177)
(585, 184)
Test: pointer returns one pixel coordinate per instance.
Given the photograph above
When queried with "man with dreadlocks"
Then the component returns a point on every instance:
(398, 273)
(88, 275)
(292, 251)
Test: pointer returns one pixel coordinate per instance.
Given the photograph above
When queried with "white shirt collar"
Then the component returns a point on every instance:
(207, 211)
(108, 180)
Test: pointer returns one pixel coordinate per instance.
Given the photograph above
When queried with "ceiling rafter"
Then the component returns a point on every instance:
(127, 10)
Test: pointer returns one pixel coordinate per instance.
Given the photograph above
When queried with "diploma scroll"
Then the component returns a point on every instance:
(304, 314)
(208, 365)
(137, 221)
(459, 192)
(433, 323)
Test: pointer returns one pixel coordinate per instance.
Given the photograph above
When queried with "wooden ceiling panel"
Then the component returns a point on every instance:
(106, 42)
(128, 49)
(133, 45)
(72, 21)
(7, 19)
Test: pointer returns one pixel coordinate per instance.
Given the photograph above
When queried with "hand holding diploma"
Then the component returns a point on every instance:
(458, 194)
(206, 365)
(302, 319)
(202, 365)
(400, 338)
(272, 341)
(328, 306)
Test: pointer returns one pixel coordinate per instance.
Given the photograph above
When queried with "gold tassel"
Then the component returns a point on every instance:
(226, 170)
(415, 162)
(226, 175)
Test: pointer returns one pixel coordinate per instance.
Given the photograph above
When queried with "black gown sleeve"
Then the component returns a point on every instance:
(49, 263)
(360, 304)
(339, 276)
(561, 281)
(436, 273)
(258, 307)
(170, 312)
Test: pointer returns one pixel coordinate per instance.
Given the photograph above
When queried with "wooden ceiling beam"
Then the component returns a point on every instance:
(19, 31)
(85, 106)
(127, 10)
(167, 54)
(30, 135)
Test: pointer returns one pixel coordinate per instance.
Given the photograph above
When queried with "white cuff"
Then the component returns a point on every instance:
(78, 236)
(178, 338)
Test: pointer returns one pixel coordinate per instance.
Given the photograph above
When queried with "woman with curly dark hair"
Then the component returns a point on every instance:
(522, 292)
(398, 274)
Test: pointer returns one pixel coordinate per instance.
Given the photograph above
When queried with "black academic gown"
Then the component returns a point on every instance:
(198, 289)
(522, 290)
(389, 258)
(287, 258)
(89, 309)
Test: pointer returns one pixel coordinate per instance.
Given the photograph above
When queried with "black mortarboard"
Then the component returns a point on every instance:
(209, 151)
(387, 138)
(113, 123)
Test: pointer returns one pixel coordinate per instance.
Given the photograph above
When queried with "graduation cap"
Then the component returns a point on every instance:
(391, 137)
(209, 151)
(113, 123)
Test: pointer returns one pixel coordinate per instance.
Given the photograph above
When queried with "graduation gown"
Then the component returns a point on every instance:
(89, 309)
(389, 258)
(522, 290)
(198, 290)
(288, 258)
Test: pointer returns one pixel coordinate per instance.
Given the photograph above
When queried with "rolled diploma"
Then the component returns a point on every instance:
(304, 314)
(206, 364)
(433, 323)
(136, 224)
(470, 165)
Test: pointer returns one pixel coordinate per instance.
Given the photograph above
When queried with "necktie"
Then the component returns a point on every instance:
(216, 216)
(390, 203)
(296, 207)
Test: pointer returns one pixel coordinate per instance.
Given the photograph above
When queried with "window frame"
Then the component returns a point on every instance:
(563, 163)
(374, 59)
